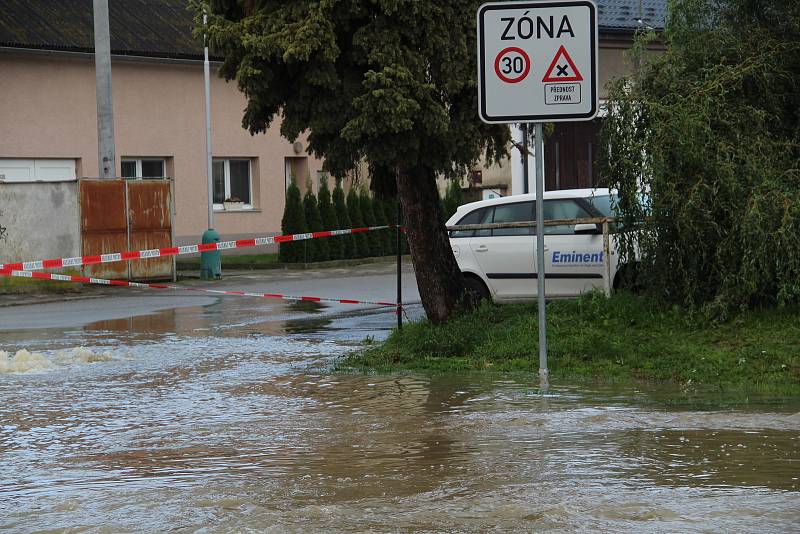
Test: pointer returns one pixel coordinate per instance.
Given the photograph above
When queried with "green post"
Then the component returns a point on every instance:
(210, 262)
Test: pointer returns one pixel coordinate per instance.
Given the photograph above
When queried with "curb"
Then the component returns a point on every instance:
(42, 298)
(182, 268)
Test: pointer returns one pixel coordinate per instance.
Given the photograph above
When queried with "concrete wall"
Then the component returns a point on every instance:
(41, 221)
(48, 110)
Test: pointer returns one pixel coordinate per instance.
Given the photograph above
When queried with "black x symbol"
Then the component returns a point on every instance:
(562, 71)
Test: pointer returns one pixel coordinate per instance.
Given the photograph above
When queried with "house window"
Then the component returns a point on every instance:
(144, 168)
(232, 182)
(296, 170)
(36, 170)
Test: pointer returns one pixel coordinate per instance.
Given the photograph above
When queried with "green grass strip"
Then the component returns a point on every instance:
(625, 338)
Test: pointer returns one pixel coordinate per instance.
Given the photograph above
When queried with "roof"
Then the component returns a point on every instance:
(154, 28)
(163, 28)
(548, 195)
(630, 15)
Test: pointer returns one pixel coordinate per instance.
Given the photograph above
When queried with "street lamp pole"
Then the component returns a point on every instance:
(210, 262)
(209, 169)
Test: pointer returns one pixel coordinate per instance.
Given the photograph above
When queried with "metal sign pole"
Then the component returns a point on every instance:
(561, 85)
(525, 158)
(540, 272)
(399, 268)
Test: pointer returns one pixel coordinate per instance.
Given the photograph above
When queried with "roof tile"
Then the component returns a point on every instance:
(163, 28)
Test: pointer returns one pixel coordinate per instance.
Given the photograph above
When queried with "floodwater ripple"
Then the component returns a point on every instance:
(208, 419)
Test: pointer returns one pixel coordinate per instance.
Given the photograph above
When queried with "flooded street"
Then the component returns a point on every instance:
(222, 415)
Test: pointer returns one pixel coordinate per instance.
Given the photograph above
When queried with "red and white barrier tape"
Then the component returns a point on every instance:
(177, 251)
(123, 283)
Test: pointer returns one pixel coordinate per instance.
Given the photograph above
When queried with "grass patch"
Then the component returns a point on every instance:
(12, 285)
(623, 338)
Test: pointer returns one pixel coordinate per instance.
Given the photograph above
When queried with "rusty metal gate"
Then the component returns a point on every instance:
(120, 215)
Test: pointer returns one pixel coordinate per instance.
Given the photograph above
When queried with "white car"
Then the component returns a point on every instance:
(501, 264)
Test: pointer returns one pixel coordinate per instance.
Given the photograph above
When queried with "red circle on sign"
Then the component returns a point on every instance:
(520, 76)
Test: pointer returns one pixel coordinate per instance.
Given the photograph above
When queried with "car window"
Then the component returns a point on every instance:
(517, 212)
(602, 204)
(478, 216)
(563, 209)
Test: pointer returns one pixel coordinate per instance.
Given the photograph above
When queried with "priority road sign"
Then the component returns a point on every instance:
(537, 61)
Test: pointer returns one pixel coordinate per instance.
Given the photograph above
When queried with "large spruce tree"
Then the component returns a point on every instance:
(389, 82)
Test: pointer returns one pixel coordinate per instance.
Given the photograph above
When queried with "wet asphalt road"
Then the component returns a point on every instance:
(374, 282)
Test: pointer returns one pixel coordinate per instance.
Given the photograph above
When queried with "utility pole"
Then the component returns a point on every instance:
(105, 105)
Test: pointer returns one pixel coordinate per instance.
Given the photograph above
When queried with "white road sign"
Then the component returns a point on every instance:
(537, 61)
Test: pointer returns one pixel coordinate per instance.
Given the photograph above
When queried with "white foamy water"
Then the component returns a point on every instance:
(83, 355)
(25, 361)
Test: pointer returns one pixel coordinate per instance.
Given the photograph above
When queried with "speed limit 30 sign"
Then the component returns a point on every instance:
(537, 61)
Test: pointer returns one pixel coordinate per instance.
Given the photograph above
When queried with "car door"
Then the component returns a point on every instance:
(460, 239)
(506, 256)
(573, 262)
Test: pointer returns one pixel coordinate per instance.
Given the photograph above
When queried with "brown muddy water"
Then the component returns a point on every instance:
(224, 418)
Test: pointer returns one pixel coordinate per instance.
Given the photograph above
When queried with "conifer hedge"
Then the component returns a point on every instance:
(329, 221)
(384, 236)
(293, 222)
(373, 239)
(343, 218)
(330, 212)
(317, 249)
(361, 248)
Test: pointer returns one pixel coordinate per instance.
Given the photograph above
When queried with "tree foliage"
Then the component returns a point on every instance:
(293, 222)
(385, 81)
(388, 82)
(709, 134)
(453, 198)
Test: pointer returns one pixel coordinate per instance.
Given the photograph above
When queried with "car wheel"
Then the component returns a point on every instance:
(476, 289)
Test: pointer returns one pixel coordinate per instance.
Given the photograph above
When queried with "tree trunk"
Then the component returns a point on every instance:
(440, 283)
